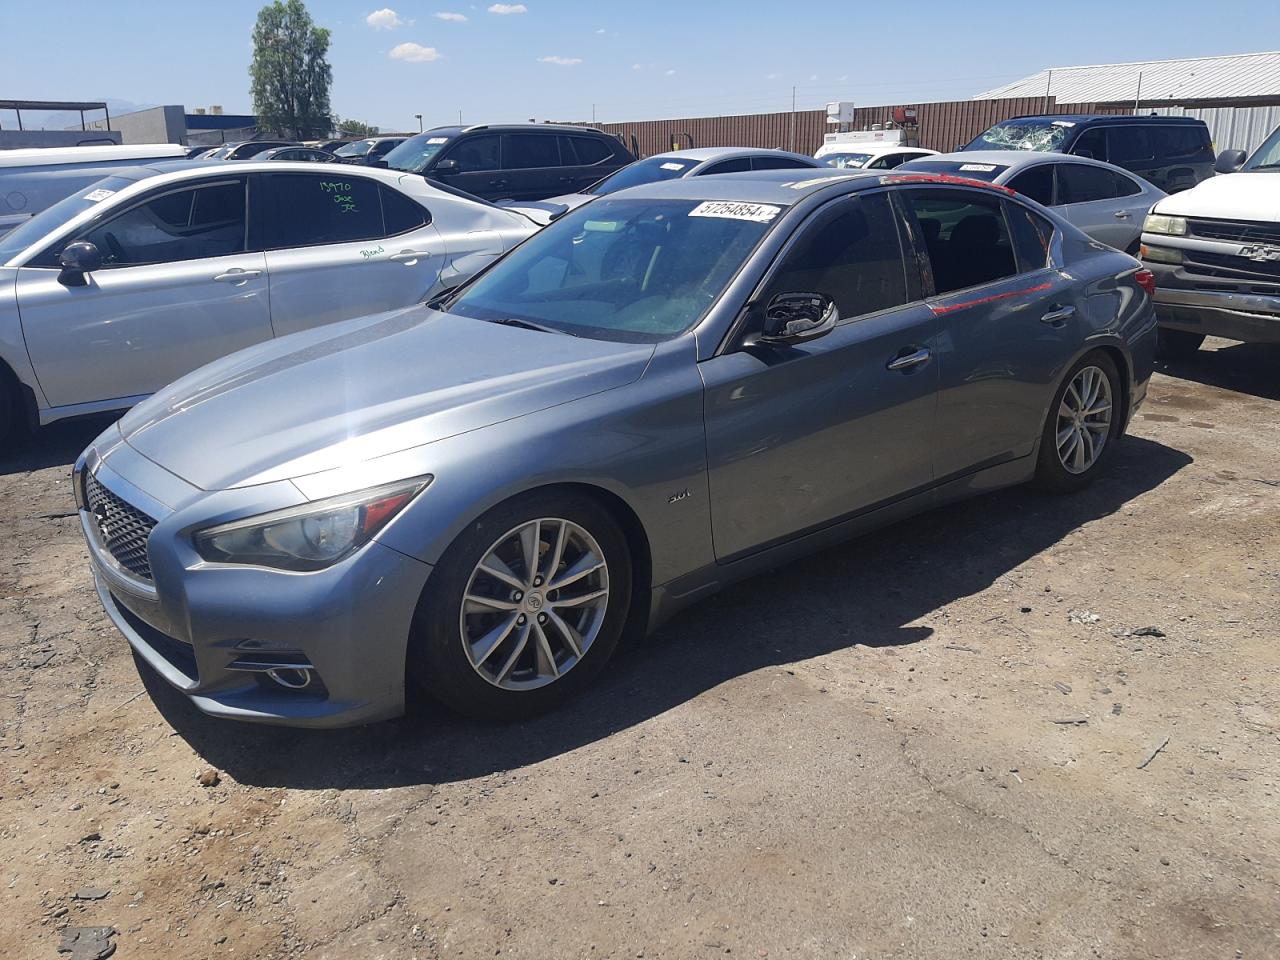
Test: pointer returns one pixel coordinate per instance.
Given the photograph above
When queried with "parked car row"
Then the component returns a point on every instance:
(571, 417)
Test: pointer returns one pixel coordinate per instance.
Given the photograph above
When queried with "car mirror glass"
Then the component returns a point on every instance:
(796, 317)
(1229, 161)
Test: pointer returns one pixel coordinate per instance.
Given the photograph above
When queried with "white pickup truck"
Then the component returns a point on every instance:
(1215, 253)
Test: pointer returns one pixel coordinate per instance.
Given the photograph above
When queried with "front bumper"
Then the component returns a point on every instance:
(1220, 306)
(210, 629)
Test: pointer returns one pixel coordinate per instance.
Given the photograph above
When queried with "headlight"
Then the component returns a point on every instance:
(312, 536)
(1159, 223)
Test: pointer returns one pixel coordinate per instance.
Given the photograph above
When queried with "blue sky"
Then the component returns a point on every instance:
(555, 59)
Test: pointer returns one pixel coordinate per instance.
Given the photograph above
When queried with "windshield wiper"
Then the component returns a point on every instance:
(529, 325)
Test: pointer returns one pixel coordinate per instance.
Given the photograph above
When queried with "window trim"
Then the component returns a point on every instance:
(55, 247)
(740, 328)
(1051, 258)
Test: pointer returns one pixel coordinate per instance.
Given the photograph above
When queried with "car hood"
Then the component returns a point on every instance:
(1231, 196)
(361, 389)
(543, 212)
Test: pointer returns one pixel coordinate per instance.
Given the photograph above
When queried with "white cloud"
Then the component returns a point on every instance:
(635, 66)
(771, 76)
(414, 53)
(452, 17)
(506, 9)
(561, 61)
(602, 31)
(813, 77)
(384, 19)
(671, 73)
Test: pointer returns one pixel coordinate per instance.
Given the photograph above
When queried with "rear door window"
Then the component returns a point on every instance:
(966, 237)
(1129, 145)
(850, 252)
(195, 223)
(1181, 142)
(401, 214)
(1035, 183)
(525, 151)
(584, 151)
(307, 209)
(778, 163)
(1082, 183)
(736, 165)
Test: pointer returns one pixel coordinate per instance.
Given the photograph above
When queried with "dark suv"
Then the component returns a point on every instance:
(525, 161)
(1174, 153)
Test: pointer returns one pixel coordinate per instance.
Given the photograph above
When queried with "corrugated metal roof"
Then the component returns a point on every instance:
(1198, 78)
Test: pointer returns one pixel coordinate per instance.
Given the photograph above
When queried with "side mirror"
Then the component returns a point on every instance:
(796, 317)
(446, 167)
(379, 163)
(1229, 161)
(1086, 153)
(77, 259)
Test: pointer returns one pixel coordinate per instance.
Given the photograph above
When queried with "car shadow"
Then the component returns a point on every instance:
(55, 445)
(879, 590)
(1241, 367)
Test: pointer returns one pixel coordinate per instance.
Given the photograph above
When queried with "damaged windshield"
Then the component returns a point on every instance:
(1042, 134)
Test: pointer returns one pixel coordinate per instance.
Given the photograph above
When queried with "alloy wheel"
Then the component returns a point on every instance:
(1084, 419)
(534, 604)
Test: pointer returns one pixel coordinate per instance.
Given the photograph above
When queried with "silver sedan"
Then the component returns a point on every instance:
(668, 389)
(143, 276)
(1106, 202)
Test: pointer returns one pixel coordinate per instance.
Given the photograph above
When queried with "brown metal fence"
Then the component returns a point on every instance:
(942, 126)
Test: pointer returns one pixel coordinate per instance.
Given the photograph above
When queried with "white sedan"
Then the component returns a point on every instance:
(868, 156)
(149, 273)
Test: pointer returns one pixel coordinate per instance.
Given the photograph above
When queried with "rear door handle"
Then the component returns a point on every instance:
(497, 183)
(1058, 317)
(409, 256)
(905, 361)
(236, 275)
(1121, 215)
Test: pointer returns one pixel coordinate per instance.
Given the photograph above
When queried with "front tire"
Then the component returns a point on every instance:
(524, 609)
(1177, 344)
(1084, 420)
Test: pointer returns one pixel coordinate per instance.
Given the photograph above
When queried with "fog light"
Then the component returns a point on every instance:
(1160, 254)
(292, 679)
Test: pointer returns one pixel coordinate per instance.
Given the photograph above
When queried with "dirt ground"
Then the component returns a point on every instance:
(928, 743)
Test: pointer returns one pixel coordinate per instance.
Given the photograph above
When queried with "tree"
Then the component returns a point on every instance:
(290, 74)
(354, 129)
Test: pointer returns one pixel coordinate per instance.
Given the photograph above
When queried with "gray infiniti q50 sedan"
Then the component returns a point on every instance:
(665, 390)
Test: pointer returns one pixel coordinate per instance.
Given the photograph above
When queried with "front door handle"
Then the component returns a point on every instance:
(1121, 215)
(409, 256)
(497, 183)
(905, 361)
(236, 275)
(1058, 317)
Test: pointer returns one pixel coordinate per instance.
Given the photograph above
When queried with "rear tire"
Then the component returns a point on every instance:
(552, 644)
(1084, 421)
(1177, 344)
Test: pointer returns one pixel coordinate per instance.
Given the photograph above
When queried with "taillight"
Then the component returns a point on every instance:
(1147, 281)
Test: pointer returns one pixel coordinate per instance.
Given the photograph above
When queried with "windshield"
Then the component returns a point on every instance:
(846, 161)
(1267, 156)
(49, 219)
(974, 171)
(357, 149)
(641, 172)
(221, 152)
(1042, 134)
(414, 154)
(637, 271)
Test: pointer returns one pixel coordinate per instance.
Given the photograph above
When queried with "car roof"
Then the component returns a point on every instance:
(1018, 159)
(454, 130)
(759, 186)
(1105, 118)
(871, 148)
(719, 153)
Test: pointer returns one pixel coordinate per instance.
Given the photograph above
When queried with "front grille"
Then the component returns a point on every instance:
(1231, 267)
(1236, 231)
(124, 529)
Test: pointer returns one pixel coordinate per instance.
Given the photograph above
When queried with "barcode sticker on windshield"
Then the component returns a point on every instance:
(1064, 123)
(978, 167)
(736, 210)
(437, 140)
(95, 195)
(673, 166)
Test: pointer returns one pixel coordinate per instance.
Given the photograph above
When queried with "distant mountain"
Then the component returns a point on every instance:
(62, 120)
